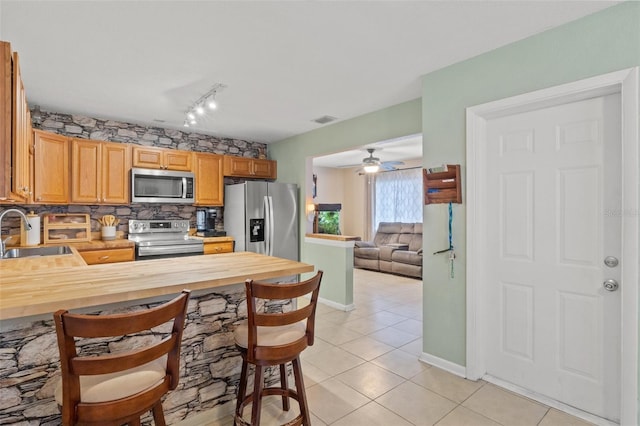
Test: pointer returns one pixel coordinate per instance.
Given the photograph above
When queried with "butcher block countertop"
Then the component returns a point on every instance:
(25, 292)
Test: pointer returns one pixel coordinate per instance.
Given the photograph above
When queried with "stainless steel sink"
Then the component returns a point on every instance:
(16, 253)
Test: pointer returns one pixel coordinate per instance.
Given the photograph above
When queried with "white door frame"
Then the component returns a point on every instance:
(626, 83)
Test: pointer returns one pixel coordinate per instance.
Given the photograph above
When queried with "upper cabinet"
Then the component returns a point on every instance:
(209, 179)
(51, 168)
(160, 158)
(100, 172)
(249, 167)
(15, 131)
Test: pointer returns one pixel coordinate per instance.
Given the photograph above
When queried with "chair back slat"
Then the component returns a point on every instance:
(285, 318)
(105, 364)
(283, 291)
(78, 325)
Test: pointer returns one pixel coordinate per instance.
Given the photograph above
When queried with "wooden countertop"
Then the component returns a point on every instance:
(333, 237)
(214, 239)
(41, 291)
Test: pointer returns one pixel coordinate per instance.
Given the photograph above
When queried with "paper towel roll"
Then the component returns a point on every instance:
(33, 234)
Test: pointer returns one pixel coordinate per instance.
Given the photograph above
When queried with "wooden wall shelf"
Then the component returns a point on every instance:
(442, 187)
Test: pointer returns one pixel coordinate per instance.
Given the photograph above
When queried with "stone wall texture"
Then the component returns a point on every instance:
(209, 366)
(82, 127)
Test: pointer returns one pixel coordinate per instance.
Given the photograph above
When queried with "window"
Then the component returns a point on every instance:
(398, 196)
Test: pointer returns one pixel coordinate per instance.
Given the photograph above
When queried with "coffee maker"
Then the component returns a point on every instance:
(206, 223)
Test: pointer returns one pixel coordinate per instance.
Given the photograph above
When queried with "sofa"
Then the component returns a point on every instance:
(396, 248)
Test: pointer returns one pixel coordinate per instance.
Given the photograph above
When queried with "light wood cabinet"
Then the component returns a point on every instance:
(249, 167)
(112, 255)
(15, 131)
(100, 172)
(160, 158)
(209, 179)
(218, 247)
(51, 168)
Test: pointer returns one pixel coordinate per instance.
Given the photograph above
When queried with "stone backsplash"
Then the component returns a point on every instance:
(79, 126)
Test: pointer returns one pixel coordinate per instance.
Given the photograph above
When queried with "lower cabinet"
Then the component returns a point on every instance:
(217, 248)
(114, 255)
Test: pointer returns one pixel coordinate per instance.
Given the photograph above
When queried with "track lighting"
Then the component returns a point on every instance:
(207, 100)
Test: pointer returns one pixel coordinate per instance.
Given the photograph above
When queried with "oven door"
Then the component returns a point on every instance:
(164, 251)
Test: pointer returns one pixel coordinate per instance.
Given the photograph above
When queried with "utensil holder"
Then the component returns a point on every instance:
(108, 233)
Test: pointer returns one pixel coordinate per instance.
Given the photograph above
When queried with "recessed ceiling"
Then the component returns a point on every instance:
(285, 63)
(401, 149)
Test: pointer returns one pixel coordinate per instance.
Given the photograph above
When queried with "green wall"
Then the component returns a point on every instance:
(292, 153)
(600, 43)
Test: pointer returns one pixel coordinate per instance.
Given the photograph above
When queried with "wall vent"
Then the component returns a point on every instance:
(324, 119)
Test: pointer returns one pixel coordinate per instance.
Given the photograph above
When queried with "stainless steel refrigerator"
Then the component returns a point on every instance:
(262, 217)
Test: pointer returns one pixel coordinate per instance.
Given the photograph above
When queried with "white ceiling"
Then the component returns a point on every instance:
(285, 62)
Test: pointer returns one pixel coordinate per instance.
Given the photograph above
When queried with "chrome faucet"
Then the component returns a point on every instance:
(26, 224)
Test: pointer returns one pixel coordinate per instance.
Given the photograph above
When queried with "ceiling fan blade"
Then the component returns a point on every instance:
(393, 163)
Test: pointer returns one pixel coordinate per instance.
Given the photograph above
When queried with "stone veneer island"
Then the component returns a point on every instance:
(29, 294)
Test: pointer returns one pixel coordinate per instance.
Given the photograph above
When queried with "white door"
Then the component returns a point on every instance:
(554, 196)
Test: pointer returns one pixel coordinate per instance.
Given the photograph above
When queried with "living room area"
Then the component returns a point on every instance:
(374, 193)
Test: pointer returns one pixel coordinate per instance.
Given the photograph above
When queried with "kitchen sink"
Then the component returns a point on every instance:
(16, 253)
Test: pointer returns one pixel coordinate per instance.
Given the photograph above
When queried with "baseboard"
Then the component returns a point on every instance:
(549, 401)
(443, 364)
(336, 305)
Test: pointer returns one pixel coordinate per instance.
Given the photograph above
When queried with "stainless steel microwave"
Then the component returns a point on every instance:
(162, 186)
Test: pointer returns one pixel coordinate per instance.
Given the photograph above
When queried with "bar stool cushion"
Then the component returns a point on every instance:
(271, 336)
(113, 386)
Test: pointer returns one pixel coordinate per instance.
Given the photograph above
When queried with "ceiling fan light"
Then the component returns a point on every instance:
(372, 168)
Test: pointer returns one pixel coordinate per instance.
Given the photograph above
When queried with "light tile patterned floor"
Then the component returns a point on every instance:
(363, 370)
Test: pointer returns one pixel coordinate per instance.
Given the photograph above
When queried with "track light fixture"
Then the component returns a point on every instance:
(206, 102)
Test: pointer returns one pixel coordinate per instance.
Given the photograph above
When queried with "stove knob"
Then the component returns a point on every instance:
(184, 224)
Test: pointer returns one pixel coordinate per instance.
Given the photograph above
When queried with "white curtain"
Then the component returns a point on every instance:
(398, 197)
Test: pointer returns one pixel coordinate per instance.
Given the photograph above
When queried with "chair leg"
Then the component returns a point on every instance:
(242, 387)
(158, 414)
(284, 386)
(302, 395)
(257, 396)
(135, 422)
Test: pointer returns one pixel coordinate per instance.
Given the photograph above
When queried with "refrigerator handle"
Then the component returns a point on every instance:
(271, 227)
(267, 225)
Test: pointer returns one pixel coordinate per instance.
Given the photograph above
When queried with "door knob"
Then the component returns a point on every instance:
(610, 285)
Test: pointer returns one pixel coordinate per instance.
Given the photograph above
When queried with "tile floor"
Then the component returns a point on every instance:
(364, 370)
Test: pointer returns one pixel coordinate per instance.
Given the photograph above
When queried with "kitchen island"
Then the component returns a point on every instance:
(29, 364)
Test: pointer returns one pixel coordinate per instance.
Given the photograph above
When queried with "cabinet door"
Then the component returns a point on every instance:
(264, 168)
(216, 248)
(148, 158)
(96, 257)
(51, 168)
(209, 179)
(177, 160)
(116, 167)
(237, 166)
(85, 176)
(21, 136)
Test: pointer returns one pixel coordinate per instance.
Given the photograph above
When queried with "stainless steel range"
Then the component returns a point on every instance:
(157, 239)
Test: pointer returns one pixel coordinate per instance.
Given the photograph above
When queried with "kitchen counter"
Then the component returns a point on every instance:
(333, 237)
(214, 239)
(28, 290)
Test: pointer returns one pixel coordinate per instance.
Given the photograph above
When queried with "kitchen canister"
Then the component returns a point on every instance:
(108, 232)
(30, 237)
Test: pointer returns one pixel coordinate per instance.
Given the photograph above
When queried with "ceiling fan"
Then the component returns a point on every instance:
(373, 164)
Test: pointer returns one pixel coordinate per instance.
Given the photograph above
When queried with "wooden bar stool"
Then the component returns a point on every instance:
(267, 339)
(118, 388)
